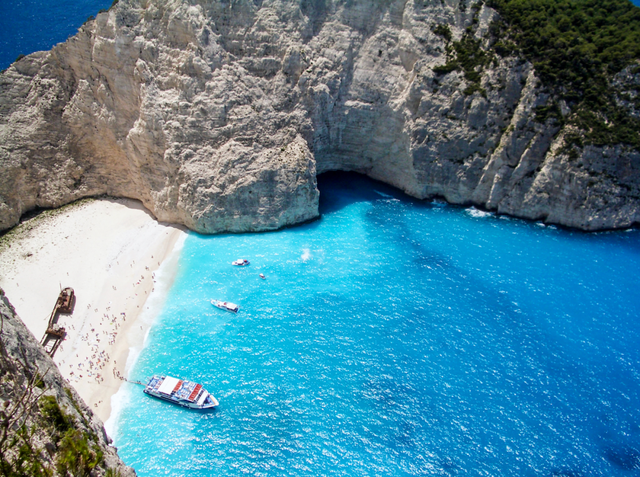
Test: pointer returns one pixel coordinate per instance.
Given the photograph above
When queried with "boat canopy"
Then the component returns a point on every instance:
(194, 393)
(203, 397)
(169, 385)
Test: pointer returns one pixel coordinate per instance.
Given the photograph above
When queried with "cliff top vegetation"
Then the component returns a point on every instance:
(577, 46)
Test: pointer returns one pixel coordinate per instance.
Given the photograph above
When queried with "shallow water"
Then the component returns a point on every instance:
(391, 337)
(396, 337)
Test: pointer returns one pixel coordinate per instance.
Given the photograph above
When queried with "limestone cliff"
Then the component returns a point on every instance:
(219, 114)
(45, 427)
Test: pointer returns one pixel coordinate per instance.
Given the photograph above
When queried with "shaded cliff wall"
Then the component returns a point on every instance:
(48, 426)
(219, 114)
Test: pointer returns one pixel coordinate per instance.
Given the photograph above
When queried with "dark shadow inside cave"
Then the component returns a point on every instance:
(339, 189)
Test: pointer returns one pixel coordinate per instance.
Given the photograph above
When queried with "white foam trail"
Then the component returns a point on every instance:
(479, 214)
(306, 255)
(119, 401)
(164, 278)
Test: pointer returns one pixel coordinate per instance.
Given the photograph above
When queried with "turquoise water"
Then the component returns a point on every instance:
(396, 337)
(390, 338)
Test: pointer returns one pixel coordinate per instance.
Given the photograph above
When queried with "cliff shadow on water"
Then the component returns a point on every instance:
(340, 189)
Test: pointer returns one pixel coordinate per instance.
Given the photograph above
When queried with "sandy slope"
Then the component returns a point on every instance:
(108, 251)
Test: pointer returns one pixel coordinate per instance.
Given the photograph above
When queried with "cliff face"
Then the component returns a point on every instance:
(45, 427)
(218, 115)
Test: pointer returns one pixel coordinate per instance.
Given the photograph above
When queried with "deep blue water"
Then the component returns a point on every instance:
(34, 25)
(391, 337)
(397, 337)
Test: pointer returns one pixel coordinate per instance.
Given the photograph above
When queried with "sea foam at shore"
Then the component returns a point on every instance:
(396, 337)
(163, 280)
(107, 251)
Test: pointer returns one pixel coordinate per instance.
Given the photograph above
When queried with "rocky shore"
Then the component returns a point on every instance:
(218, 115)
(47, 429)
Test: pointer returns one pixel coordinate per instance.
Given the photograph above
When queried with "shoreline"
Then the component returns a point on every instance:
(109, 251)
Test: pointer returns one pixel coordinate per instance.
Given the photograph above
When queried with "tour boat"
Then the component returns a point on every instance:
(226, 305)
(241, 262)
(183, 393)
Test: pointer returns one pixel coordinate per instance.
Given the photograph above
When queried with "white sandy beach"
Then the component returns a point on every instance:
(108, 251)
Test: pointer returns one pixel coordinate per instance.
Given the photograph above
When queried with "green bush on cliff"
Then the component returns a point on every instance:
(469, 56)
(549, 110)
(75, 456)
(570, 39)
(442, 30)
(466, 54)
(54, 415)
(26, 461)
(576, 47)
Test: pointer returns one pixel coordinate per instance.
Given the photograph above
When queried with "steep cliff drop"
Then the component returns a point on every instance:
(46, 428)
(219, 114)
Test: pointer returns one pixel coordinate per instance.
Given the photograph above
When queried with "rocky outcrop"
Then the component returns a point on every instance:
(45, 427)
(219, 114)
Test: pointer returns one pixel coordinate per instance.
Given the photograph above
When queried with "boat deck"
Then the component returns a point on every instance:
(184, 390)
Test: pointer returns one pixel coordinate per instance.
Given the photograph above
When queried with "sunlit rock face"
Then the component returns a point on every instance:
(218, 115)
(29, 378)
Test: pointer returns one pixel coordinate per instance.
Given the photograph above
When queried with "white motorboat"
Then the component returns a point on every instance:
(241, 262)
(183, 393)
(226, 305)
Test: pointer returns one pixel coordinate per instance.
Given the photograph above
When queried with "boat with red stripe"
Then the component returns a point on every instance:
(181, 392)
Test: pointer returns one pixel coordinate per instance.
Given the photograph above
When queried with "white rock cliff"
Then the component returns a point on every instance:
(29, 376)
(219, 114)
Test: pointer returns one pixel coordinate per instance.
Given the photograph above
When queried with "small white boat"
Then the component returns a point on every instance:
(183, 393)
(226, 305)
(241, 262)
(262, 276)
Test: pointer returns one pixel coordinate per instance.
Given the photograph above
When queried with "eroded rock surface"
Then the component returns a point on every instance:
(49, 429)
(219, 114)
